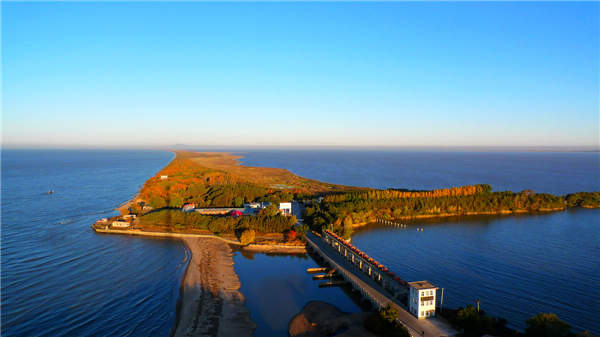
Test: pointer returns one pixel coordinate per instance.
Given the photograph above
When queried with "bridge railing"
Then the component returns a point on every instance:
(378, 299)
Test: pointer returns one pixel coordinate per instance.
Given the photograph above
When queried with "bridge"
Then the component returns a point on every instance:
(376, 284)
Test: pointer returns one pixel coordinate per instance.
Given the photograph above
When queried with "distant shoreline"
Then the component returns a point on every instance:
(449, 215)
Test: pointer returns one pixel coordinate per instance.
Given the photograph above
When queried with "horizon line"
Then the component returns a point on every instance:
(175, 147)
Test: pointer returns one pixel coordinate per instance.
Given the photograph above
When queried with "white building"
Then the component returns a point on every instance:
(164, 177)
(285, 208)
(120, 224)
(422, 299)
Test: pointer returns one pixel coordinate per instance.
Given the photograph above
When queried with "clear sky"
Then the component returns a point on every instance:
(332, 74)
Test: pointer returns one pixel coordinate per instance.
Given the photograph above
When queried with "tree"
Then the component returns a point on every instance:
(384, 323)
(157, 202)
(238, 202)
(302, 231)
(270, 210)
(247, 236)
(389, 313)
(290, 235)
(347, 228)
(546, 325)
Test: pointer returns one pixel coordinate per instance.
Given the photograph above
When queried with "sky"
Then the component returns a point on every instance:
(143, 74)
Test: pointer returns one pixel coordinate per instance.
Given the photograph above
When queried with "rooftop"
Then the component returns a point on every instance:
(422, 285)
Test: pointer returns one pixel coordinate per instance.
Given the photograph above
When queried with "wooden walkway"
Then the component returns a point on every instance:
(431, 327)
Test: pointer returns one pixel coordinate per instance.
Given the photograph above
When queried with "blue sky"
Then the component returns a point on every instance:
(330, 74)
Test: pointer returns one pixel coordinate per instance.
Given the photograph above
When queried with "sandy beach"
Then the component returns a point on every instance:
(211, 304)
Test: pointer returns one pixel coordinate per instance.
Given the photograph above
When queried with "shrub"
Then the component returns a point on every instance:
(290, 235)
(546, 325)
(384, 323)
(247, 236)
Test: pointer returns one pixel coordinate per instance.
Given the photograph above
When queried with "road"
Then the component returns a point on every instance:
(433, 327)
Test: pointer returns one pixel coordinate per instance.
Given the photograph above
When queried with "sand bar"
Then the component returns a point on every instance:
(211, 304)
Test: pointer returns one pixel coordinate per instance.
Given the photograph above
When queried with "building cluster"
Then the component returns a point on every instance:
(118, 223)
(419, 297)
(285, 208)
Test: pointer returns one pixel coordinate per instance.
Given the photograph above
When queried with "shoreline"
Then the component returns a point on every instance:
(210, 301)
(448, 215)
(258, 248)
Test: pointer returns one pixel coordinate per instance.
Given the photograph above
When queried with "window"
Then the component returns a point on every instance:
(422, 313)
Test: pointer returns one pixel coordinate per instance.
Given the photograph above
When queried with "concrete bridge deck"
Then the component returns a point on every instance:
(431, 327)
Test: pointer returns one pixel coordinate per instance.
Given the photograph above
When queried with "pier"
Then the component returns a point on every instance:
(375, 282)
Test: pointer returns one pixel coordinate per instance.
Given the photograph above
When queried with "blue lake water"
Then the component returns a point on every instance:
(59, 278)
(548, 172)
(277, 287)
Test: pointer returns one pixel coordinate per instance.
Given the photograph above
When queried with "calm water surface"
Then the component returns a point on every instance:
(277, 287)
(59, 278)
(549, 172)
(517, 266)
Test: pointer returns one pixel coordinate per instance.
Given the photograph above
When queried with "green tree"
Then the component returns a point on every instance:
(389, 313)
(270, 210)
(546, 325)
(157, 202)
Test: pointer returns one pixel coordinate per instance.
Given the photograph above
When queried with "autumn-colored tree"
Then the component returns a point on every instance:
(247, 236)
(290, 235)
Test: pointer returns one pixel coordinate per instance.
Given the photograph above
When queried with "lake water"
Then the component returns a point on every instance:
(517, 266)
(277, 287)
(59, 278)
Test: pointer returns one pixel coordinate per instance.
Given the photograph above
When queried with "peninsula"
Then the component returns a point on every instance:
(212, 202)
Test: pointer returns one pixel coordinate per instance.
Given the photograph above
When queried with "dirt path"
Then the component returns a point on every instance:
(211, 303)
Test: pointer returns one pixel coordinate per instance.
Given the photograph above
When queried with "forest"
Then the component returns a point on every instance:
(217, 224)
(345, 210)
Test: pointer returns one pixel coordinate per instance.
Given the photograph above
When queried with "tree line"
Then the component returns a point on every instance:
(343, 210)
(398, 193)
(174, 218)
(475, 323)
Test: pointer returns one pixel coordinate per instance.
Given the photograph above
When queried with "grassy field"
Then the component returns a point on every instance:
(273, 178)
(216, 179)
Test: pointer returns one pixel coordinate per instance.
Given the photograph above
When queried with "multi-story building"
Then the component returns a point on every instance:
(421, 300)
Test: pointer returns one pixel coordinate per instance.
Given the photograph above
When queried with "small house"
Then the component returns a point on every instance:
(164, 177)
(188, 207)
(285, 208)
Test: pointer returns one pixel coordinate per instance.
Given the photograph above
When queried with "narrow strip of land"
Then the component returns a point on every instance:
(262, 248)
(211, 304)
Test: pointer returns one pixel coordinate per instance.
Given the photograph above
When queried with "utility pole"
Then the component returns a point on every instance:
(478, 301)
(442, 301)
